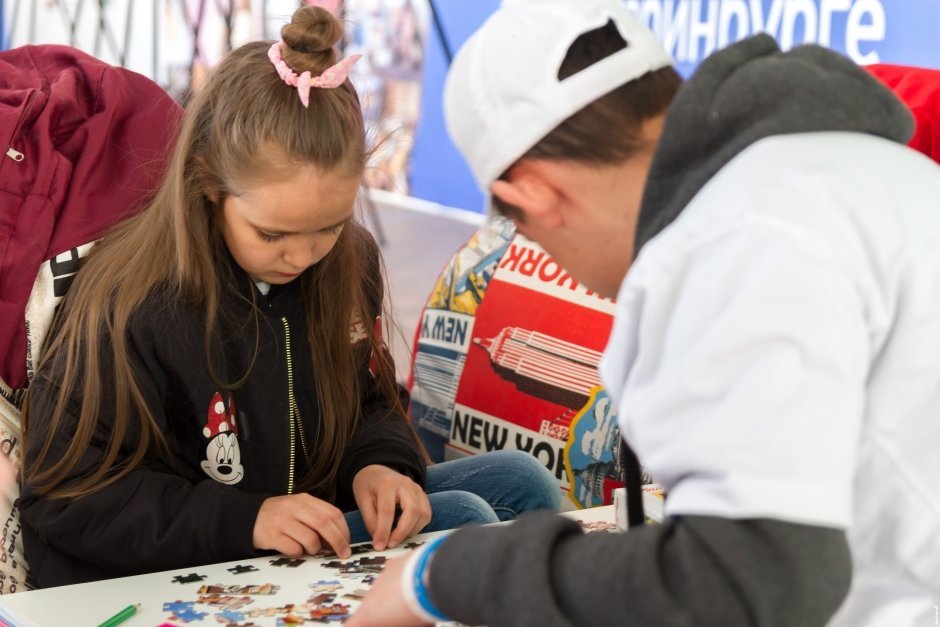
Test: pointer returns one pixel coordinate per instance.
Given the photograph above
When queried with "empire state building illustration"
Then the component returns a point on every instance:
(544, 366)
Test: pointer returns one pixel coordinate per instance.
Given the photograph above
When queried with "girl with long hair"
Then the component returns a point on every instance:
(216, 383)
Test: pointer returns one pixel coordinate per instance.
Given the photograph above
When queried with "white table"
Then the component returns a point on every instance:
(92, 603)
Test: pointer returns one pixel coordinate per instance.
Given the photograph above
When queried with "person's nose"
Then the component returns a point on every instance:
(302, 254)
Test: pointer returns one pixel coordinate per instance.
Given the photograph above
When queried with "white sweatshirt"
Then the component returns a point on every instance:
(776, 354)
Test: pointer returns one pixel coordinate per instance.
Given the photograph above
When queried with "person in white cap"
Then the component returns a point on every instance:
(774, 352)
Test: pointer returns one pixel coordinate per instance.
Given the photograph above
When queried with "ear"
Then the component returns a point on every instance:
(209, 190)
(528, 187)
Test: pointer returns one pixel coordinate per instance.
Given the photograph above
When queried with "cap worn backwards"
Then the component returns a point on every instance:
(503, 94)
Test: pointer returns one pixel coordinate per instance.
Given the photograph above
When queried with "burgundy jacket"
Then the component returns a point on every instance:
(82, 144)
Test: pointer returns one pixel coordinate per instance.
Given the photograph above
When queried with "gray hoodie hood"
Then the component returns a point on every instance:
(750, 91)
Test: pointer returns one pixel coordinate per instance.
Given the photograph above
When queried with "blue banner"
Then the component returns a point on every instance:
(437, 171)
(868, 31)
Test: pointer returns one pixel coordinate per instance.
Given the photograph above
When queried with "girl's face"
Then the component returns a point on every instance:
(276, 230)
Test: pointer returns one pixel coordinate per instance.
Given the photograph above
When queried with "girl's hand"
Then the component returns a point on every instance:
(385, 604)
(378, 489)
(300, 523)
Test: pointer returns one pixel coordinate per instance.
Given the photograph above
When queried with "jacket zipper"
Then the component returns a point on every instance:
(12, 152)
(296, 424)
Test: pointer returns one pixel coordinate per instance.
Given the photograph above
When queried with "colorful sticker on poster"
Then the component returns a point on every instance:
(464, 280)
(592, 461)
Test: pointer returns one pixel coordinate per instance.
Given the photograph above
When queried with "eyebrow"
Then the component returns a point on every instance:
(276, 232)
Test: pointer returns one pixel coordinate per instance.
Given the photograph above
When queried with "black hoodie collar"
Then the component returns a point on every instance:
(750, 91)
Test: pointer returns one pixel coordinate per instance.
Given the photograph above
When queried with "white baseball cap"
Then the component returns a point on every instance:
(502, 93)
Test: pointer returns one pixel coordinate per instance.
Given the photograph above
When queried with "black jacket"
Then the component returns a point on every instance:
(199, 506)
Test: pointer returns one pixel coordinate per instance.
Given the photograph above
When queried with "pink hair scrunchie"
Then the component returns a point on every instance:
(331, 77)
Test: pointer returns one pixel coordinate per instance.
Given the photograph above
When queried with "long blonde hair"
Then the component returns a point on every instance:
(238, 115)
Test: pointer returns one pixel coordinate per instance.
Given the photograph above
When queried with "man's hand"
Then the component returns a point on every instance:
(385, 605)
(378, 490)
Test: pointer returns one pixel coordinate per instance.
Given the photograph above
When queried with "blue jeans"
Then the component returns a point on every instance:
(485, 488)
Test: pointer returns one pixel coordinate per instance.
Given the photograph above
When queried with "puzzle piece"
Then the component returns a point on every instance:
(230, 616)
(337, 610)
(359, 549)
(177, 606)
(225, 601)
(339, 564)
(414, 545)
(237, 603)
(271, 611)
(372, 561)
(241, 568)
(325, 585)
(356, 549)
(189, 615)
(597, 526)
(286, 561)
(190, 578)
(255, 589)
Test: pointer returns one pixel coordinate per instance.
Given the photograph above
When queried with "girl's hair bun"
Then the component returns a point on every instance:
(311, 38)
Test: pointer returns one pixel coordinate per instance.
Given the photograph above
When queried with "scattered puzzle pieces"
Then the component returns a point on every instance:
(327, 603)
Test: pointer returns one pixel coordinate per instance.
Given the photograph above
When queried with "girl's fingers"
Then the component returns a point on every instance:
(385, 509)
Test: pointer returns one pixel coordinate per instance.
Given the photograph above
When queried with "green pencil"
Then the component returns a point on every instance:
(121, 616)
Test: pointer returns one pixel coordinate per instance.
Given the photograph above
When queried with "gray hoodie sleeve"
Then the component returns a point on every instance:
(693, 570)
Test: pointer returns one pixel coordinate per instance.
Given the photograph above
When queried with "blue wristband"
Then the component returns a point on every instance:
(421, 593)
